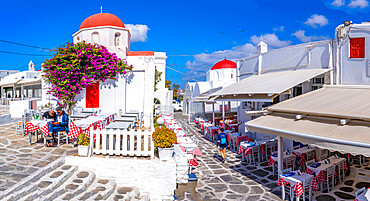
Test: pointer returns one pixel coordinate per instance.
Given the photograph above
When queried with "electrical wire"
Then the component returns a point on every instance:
(176, 70)
(17, 53)
(10, 42)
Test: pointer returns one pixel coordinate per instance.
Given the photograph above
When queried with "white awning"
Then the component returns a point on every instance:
(266, 87)
(320, 125)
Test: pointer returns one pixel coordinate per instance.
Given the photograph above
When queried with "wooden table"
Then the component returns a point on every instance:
(119, 125)
(79, 115)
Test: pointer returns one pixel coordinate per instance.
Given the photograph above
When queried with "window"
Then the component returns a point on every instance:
(95, 37)
(116, 39)
(357, 48)
(232, 75)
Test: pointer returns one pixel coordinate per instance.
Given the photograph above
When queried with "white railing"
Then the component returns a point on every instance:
(122, 142)
(164, 109)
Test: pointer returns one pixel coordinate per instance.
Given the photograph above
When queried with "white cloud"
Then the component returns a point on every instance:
(138, 32)
(338, 3)
(271, 40)
(300, 34)
(358, 3)
(281, 29)
(316, 20)
(203, 62)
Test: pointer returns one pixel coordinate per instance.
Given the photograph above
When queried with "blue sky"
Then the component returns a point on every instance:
(206, 30)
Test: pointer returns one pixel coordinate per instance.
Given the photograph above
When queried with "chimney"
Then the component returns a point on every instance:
(261, 47)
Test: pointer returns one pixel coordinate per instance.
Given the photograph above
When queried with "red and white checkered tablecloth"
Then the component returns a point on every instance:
(246, 151)
(271, 161)
(298, 188)
(45, 129)
(319, 177)
(74, 131)
(262, 148)
(193, 162)
(241, 139)
(31, 128)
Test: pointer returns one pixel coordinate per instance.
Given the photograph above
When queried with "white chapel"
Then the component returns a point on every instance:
(131, 92)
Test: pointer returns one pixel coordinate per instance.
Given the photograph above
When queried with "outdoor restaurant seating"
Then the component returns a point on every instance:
(329, 182)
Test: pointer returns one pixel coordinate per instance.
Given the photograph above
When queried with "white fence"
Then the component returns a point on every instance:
(122, 142)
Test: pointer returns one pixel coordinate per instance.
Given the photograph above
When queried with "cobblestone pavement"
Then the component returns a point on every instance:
(232, 180)
(18, 159)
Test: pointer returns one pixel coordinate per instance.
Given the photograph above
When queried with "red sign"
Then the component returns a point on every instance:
(357, 48)
(92, 95)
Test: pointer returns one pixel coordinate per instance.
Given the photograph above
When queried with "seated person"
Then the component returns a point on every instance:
(49, 115)
(60, 124)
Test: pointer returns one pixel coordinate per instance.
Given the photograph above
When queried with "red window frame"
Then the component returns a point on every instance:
(357, 47)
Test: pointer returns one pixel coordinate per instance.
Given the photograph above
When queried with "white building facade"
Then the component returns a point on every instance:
(133, 92)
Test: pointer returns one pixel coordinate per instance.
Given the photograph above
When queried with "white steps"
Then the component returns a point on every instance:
(58, 181)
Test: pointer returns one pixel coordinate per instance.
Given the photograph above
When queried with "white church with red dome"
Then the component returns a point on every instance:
(222, 74)
(131, 92)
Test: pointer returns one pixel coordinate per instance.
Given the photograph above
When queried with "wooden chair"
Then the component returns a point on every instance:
(341, 172)
(63, 134)
(310, 162)
(269, 148)
(252, 157)
(287, 189)
(307, 188)
(330, 176)
(289, 162)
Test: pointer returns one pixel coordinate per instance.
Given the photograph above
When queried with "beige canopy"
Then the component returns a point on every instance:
(266, 87)
(335, 118)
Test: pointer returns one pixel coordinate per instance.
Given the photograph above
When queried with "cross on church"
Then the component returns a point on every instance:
(101, 9)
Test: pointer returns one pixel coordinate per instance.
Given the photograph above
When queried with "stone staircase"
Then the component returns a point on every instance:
(59, 181)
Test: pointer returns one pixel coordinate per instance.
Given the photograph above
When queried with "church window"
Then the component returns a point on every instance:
(357, 48)
(95, 37)
(78, 38)
(116, 39)
(232, 75)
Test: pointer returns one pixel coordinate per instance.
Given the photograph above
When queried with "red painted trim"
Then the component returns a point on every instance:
(141, 53)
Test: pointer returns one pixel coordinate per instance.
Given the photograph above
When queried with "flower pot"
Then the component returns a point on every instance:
(83, 150)
(165, 154)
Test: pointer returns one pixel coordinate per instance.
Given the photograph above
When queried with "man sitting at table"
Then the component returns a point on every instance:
(60, 124)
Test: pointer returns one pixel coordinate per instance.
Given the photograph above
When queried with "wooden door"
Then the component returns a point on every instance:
(92, 95)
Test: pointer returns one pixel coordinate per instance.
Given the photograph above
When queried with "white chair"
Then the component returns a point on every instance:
(330, 176)
(341, 172)
(360, 191)
(255, 154)
(189, 151)
(270, 145)
(310, 162)
(63, 134)
(321, 154)
(307, 187)
(290, 162)
(286, 189)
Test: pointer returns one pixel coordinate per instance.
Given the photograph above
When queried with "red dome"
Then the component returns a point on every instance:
(102, 19)
(224, 64)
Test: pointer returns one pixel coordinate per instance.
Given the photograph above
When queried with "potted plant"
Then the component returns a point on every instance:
(83, 144)
(164, 138)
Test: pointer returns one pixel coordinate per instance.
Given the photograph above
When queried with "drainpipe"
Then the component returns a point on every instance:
(331, 62)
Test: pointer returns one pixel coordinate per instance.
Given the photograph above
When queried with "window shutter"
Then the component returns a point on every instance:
(357, 48)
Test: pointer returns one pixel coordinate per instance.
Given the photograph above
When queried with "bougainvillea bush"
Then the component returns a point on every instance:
(164, 137)
(75, 66)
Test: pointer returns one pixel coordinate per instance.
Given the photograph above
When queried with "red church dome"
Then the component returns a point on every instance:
(102, 19)
(224, 64)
